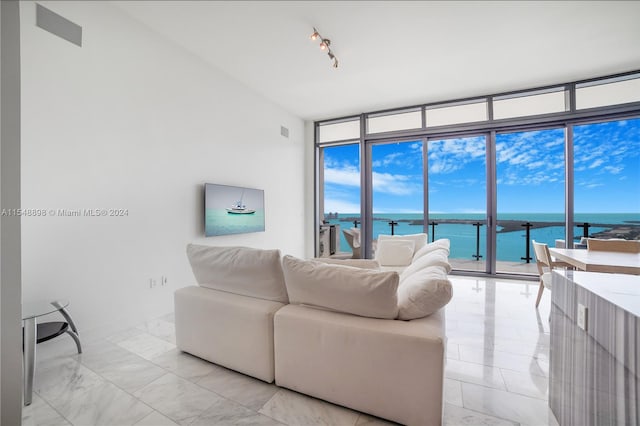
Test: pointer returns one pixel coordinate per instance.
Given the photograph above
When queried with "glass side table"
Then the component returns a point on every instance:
(34, 333)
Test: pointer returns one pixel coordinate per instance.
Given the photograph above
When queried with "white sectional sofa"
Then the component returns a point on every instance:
(337, 337)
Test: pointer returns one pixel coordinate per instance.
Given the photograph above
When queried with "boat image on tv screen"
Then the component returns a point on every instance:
(232, 210)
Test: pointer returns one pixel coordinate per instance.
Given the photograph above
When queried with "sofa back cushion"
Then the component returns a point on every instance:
(423, 292)
(419, 240)
(240, 270)
(394, 252)
(364, 292)
(442, 243)
(437, 257)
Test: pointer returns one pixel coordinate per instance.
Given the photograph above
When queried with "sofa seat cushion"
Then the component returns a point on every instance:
(389, 368)
(423, 292)
(364, 292)
(239, 270)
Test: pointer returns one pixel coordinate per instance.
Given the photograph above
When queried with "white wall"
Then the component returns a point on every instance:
(131, 121)
(310, 188)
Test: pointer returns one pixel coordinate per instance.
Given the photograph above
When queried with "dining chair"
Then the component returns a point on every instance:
(544, 260)
(353, 239)
(620, 246)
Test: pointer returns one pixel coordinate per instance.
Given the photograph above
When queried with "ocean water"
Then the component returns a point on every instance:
(219, 222)
(510, 246)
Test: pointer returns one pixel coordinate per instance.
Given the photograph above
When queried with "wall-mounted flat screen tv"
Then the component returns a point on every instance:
(232, 210)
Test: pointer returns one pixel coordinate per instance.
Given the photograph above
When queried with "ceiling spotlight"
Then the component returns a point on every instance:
(325, 44)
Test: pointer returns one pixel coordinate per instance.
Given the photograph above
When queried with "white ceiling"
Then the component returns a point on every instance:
(395, 54)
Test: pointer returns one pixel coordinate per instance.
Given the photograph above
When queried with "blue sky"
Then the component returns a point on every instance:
(530, 173)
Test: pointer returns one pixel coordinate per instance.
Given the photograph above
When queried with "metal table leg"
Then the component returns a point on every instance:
(29, 357)
(74, 331)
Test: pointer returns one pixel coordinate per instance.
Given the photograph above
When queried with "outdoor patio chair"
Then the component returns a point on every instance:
(353, 239)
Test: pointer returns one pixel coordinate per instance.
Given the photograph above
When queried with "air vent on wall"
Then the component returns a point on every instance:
(284, 131)
(58, 25)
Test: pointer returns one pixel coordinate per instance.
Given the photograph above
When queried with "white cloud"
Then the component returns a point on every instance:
(387, 183)
(349, 176)
(512, 177)
(553, 143)
(391, 158)
(594, 185)
(444, 165)
(394, 184)
(340, 206)
(450, 155)
(535, 164)
(614, 170)
(405, 158)
(596, 163)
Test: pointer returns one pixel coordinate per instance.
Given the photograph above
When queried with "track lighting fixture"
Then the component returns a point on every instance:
(325, 45)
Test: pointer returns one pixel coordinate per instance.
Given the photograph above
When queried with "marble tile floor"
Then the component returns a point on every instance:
(496, 373)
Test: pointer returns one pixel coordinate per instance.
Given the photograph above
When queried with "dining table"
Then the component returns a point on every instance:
(599, 261)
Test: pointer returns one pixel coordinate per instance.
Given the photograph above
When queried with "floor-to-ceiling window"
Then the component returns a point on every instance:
(607, 179)
(547, 164)
(338, 172)
(530, 182)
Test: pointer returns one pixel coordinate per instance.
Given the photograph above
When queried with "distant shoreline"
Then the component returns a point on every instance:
(629, 230)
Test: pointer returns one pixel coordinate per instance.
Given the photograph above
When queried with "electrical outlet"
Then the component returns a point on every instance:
(582, 317)
(163, 280)
(152, 283)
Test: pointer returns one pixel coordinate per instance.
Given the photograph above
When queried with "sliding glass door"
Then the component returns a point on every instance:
(397, 188)
(530, 169)
(457, 198)
(340, 201)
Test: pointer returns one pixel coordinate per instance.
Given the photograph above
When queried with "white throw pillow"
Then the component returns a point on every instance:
(240, 270)
(423, 293)
(364, 292)
(356, 263)
(419, 240)
(437, 257)
(395, 252)
(443, 243)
